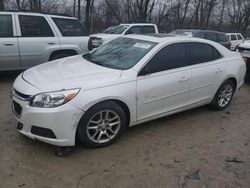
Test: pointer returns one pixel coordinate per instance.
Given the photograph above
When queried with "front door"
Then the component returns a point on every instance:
(163, 84)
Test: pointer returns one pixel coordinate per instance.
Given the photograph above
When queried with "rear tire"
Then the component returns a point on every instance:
(223, 96)
(101, 125)
(59, 56)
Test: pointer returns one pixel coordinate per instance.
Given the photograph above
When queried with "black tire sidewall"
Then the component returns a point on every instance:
(59, 56)
(82, 126)
(215, 101)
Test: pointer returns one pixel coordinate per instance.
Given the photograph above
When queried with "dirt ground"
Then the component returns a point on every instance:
(197, 148)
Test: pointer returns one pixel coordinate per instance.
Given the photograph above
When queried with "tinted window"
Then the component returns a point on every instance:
(211, 36)
(6, 26)
(239, 37)
(233, 37)
(170, 57)
(135, 29)
(148, 29)
(222, 37)
(201, 53)
(34, 26)
(200, 35)
(70, 27)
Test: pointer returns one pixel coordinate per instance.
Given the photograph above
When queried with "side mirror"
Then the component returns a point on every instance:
(128, 32)
(145, 71)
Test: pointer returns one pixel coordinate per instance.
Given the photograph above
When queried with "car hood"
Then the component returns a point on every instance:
(246, 44)
(71, 72)
(106, 37)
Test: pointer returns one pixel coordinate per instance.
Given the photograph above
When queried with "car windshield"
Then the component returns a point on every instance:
(121, 53)
(116, 29)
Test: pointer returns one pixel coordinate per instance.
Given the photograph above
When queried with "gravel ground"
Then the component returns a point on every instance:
(196, 148)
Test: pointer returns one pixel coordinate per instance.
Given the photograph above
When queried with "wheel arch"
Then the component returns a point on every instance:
(69, 51)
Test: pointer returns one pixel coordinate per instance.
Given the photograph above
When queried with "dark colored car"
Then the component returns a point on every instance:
(215, 36)
(246, 57)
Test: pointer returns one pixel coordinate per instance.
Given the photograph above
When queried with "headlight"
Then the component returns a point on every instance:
(53, 99)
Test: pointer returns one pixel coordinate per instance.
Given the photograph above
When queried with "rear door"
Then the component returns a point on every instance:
(163, 84)
(72, 34)
(9, 52)
(207, 72)
(36, 39)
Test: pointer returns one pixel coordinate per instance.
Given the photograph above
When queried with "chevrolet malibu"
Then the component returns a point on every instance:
(128, 81)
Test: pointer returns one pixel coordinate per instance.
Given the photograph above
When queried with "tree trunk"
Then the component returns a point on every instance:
(74, 8)
(79, 10)
(1, 5)
(87, 15)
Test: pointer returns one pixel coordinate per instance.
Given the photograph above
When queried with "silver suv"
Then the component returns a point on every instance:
(28, 39)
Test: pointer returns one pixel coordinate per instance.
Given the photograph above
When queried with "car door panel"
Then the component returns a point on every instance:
(163, 84)
(162, 92)
(9, 50)
(35, 43)
(206, 72)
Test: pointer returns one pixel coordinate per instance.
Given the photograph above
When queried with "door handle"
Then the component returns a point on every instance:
(183, 79)
(218, 70)
(51, 43)
(8, 44)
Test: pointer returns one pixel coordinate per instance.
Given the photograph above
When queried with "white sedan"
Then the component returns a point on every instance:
(125, 82)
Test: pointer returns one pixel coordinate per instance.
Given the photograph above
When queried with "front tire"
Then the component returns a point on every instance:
(101, 125)
(223, 96)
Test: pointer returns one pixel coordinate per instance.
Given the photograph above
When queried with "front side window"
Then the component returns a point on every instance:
(70, 27)
(116, 29)
(34, 26)
(233, 37)
(202, 53)
(222, 37)
(6, 26)
(148, 29)
(170, 57)
(121, 53)
(211, 36)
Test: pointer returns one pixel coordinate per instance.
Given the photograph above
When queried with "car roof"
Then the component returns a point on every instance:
(199, 30)
(135, 24)
(38, 14)
(233, 33)
(166, 38)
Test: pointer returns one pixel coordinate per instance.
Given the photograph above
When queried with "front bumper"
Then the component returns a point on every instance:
(62, 121)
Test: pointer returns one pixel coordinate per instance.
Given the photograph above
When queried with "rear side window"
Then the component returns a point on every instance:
(148, 29)
(34, 26)
(6, 26)
(222, 37)
(211, 36)
(202, 53)
(239, 37)
(233, 37)
(170, 57)
(70, 27)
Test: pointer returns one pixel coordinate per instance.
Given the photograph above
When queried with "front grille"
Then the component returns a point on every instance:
(17, 108)
(243, 49)
(44, 132)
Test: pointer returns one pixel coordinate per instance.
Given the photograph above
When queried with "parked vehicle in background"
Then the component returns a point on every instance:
(236, 39)
(122, 29)
(29, 39)
(128, 81)
(215, 36)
